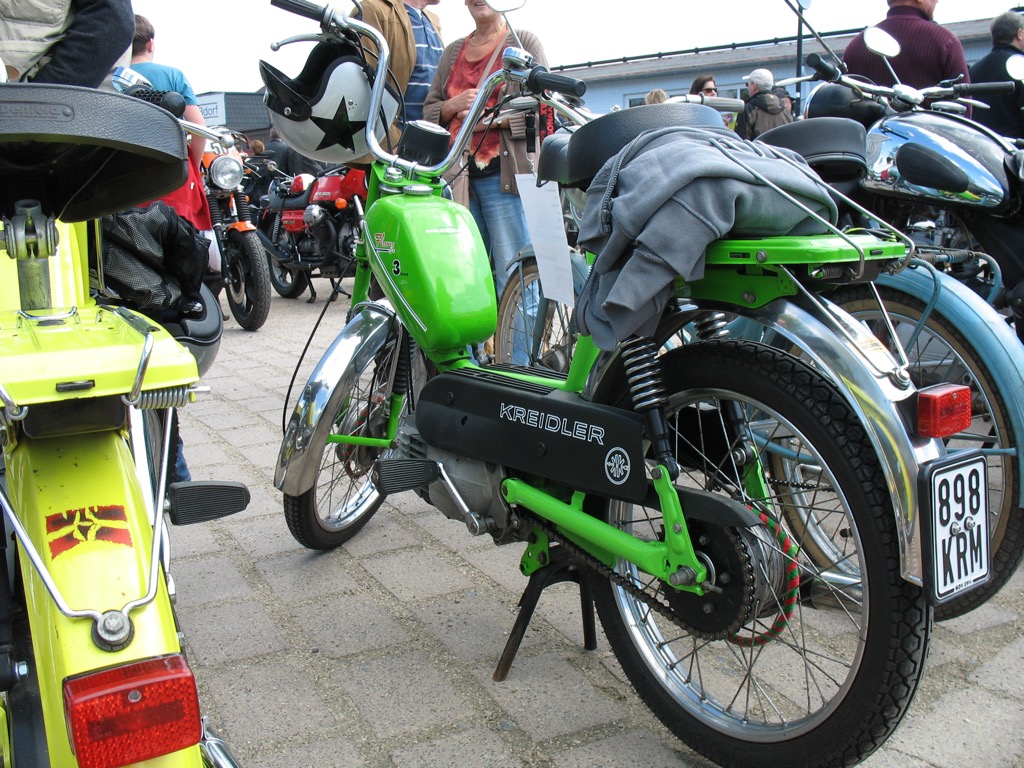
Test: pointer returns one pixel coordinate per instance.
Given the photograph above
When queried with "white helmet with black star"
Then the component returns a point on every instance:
(324, 111)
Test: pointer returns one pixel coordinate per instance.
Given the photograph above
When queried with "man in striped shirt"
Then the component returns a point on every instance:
(428, 53)
(414, 38)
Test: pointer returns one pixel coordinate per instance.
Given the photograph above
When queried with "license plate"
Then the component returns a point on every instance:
(954, 497)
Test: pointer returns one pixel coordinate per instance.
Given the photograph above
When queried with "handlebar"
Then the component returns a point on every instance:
(965, 89)
(303, 8)
(515, 68)
(540, 79)
(900, 96)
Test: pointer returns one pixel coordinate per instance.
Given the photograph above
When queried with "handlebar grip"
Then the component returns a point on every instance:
(301, 8)
(172, 101)
(541, 79)
(823, 69)
(965, 89)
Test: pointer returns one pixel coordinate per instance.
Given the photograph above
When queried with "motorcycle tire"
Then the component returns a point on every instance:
(942, 352)
(805, 657)
(288, 283)
(343, 498)
(248, 287)
(518, 339)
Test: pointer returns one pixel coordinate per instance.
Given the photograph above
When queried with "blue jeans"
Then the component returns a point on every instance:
(502, 224)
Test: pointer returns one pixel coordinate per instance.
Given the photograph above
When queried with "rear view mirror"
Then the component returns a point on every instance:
(881, 42)
(1015, 67)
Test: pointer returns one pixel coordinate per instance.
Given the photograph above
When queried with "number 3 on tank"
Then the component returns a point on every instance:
(954, 497)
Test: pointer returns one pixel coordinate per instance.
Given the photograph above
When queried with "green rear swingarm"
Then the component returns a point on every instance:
(673, 560)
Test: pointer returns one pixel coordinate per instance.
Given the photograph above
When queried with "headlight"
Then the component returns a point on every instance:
(226, 172)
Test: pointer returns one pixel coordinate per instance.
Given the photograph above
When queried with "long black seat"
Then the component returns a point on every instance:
(84, 153)
(596, 142)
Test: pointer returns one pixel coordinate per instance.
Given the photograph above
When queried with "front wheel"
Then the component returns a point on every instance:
(810, 647)
(343, 497)
(942, 352)
(248, 277)
(533, 330)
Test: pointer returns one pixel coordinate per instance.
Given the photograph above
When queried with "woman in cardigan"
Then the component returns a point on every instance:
(498, 153)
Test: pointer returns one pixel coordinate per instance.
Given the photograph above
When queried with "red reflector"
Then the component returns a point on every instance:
(943, 410)
(127, 714)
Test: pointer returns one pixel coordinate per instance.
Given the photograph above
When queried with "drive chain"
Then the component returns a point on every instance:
(648, 599)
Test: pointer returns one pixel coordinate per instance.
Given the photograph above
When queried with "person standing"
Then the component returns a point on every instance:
(498, 150)
(413, 34)
(763, 110)
(1004, 114)
(929, 53)
(704, 83)
(189, 201)
(68, 43)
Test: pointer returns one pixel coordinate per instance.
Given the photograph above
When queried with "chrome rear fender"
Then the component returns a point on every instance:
(880, 403)
(359, 341)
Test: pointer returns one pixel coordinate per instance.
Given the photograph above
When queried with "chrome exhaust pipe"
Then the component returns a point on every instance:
(215, 751)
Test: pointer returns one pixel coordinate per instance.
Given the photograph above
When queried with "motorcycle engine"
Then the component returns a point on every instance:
(477, 482)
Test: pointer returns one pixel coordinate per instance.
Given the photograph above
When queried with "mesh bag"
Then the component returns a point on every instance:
(153, 258)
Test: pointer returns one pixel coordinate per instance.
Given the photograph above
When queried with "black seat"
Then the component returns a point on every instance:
(84, 153)
(835, 147)
(596, 142)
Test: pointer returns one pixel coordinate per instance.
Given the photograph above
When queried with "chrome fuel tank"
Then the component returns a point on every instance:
(937, 158)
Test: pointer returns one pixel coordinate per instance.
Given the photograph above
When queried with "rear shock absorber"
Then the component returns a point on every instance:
(711, 327)
(643, 374)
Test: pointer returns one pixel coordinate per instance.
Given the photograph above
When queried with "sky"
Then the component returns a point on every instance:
(218, 43)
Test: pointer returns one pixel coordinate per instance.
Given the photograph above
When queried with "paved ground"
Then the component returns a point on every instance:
(381, 652)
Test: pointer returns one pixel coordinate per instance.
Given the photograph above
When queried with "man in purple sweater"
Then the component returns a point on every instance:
(929, 53)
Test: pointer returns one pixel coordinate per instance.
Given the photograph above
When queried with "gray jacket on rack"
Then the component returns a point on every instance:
(653, 209)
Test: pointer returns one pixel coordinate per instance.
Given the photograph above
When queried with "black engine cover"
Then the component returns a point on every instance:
(537, 430)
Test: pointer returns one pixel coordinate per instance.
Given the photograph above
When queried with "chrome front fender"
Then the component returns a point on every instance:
(860, 372)
(990, 335)
(310, 423)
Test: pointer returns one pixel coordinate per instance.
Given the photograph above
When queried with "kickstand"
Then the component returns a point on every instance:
(312, 292)
(560, 568)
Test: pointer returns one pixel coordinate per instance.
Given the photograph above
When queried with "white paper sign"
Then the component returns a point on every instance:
(547, 233)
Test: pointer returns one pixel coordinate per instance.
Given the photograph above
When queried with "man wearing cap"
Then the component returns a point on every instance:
(764, 110)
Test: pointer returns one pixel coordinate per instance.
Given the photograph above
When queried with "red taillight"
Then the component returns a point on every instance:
(298, 184)
(943, 410)
(132, 713)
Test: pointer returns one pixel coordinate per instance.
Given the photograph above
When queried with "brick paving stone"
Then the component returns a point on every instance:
(380, 654)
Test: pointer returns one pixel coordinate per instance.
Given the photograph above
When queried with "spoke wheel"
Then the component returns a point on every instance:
(343, 497)
(942, 353)
(519, 338)
(823, 665)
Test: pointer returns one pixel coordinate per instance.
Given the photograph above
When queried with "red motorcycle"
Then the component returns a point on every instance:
(309, 228)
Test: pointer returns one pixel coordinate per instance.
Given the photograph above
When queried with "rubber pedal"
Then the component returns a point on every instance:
(199, 501)
(397, 475)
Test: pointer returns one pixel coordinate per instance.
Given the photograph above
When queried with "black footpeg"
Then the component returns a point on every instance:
(397, 475)
(199, 501)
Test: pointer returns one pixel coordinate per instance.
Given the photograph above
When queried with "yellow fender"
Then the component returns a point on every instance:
(79, 499)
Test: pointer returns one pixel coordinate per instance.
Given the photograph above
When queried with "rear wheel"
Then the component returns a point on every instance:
(941, 352)
(795, 659)
(248, 277)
